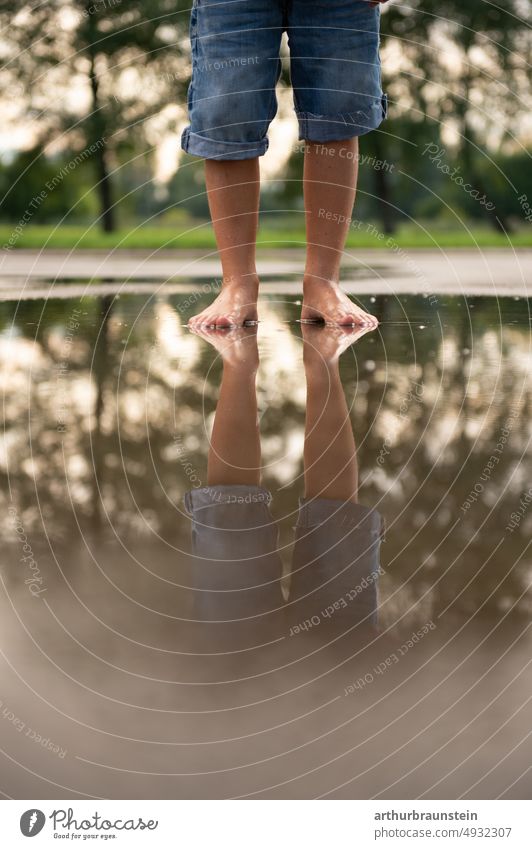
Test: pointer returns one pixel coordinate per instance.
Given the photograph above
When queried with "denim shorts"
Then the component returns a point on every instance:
(237, 569)
(334, 66)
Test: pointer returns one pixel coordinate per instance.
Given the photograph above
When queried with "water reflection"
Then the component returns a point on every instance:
(164, 668)
(237, 566)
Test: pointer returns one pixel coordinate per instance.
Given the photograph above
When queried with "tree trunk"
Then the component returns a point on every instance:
(107, 214)
(104, 190)
(101, 369)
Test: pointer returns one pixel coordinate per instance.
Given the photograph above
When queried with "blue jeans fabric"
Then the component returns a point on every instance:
(237, 568)
(334, 65)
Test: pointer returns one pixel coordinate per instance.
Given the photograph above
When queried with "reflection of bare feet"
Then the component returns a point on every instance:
(235, 305)
(327, 344)
(237, 346)
(324, 301)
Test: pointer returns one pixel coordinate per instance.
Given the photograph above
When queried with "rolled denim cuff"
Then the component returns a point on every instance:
(214, 504)
(198, 145)
(323, 128)
(345, 514)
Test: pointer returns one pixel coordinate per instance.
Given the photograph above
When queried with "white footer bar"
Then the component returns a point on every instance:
(266, 824)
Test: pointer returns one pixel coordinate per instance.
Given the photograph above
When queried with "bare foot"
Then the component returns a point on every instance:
(237, 346)
(235, 306)
(324, 302)
(327, 344)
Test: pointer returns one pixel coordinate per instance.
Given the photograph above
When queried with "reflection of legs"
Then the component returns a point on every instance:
(234, 536)
(233, 192)
(330, 180)
(234, 454)
(330, 454)
(336, 555)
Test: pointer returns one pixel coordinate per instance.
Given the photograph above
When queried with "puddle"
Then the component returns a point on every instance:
(157, 673)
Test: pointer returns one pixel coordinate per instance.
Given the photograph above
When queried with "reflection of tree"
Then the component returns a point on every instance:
(138, 418)
(438, 451)
(101, 368)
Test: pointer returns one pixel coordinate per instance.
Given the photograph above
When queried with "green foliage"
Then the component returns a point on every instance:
(128, 63)
(462, 65)
(113, 50)
(45, 189)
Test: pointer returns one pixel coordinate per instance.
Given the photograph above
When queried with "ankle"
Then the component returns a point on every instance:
(324, 279)
(247, 280)
(319, 367)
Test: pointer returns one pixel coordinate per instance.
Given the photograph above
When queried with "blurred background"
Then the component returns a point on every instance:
(93, 96)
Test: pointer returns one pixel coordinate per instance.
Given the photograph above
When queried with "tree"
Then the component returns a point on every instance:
(97, 72)
(463, 66)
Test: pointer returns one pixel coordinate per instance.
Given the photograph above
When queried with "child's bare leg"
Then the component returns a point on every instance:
(330, 179)
(233, 190)
(234, 452)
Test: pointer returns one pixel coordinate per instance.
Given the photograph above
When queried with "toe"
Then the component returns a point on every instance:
(363, 319)
(205, 319)
(224, 321)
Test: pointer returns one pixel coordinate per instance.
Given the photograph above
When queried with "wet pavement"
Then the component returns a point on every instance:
(390, 270)
(341, 607)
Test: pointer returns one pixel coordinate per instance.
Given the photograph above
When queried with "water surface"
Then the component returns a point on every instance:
(115, 686)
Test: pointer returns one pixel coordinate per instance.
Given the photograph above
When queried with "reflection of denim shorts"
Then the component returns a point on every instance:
(334, 64)
(336, 562)
(237, 568)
